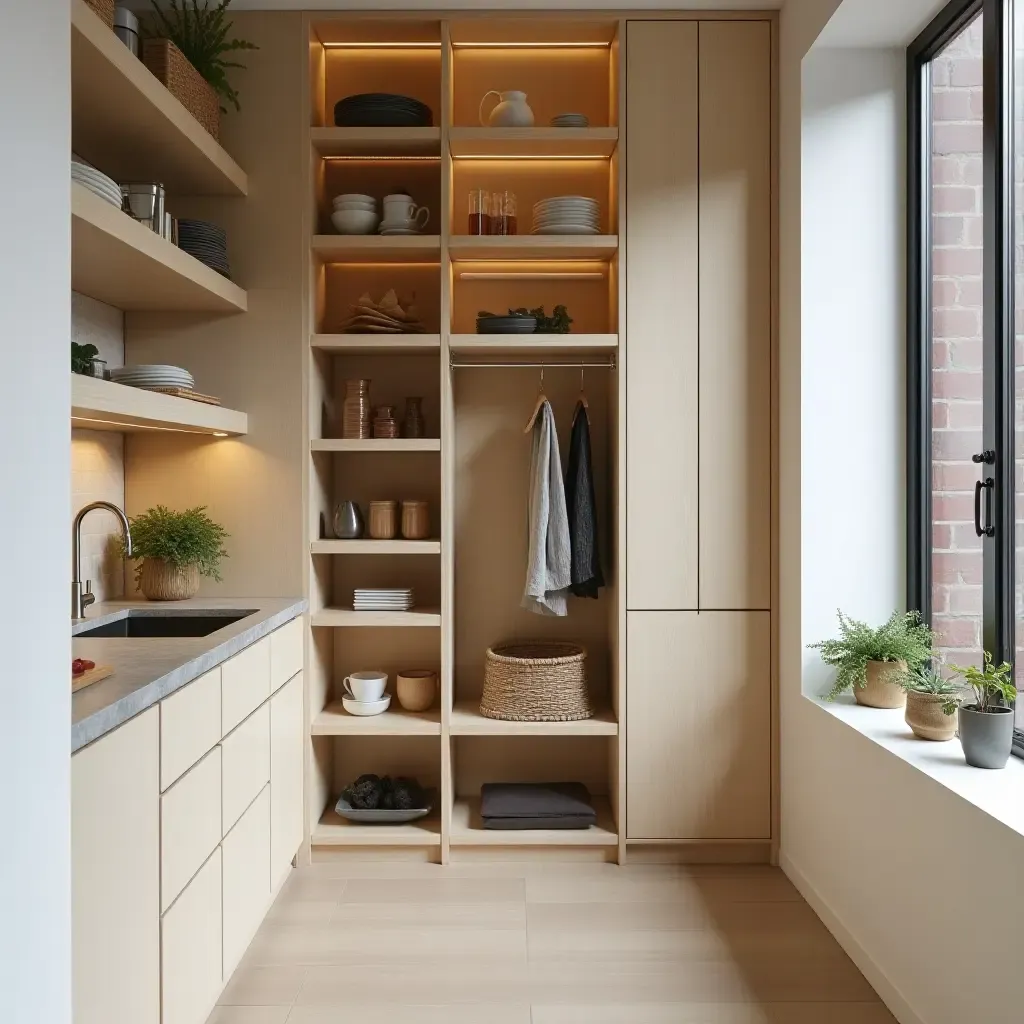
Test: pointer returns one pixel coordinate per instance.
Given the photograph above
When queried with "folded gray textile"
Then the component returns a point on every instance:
(524, 805)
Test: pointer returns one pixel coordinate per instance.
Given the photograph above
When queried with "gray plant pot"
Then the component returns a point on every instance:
(986, 736)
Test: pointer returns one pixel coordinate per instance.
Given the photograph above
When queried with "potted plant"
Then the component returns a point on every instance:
(875, 662)
(176, 548)
(986, 726)
(931, 704)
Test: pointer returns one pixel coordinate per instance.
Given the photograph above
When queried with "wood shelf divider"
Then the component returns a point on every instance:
(495, 143)
(466, 720)
(533, 247)
(377, 344)
(371, 142)
(375, 547)
(334, 720)
(376, 444)
(468, 830)
(334, 830)
(377, 248)
(339, 618)
(534, 344)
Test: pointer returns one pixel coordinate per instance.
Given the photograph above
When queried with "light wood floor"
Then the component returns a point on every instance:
(544, 944)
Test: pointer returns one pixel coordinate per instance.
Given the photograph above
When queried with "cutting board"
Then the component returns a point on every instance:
(93, 675)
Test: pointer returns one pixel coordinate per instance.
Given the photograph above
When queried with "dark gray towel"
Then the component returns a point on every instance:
(523, 805)
(582, 509)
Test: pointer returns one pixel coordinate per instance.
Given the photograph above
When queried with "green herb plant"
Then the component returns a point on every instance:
(901, 638)
(557, 323)
(181, 538)
(926, 680)
(82, 357)
(992, 685)
(201, 33)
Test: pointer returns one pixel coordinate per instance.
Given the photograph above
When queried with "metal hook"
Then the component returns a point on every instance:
(541, 388)
(582, 371)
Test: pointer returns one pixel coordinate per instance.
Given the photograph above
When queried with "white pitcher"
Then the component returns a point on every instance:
(512, 111)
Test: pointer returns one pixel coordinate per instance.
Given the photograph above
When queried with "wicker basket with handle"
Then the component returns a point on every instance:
(536, 681)
(105, 9)
(183, 82)
(161, 580)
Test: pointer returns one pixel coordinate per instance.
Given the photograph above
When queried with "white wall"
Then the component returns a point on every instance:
(35, 695)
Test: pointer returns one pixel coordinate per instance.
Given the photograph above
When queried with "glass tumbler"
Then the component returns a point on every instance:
(479, 212)
(356, 413)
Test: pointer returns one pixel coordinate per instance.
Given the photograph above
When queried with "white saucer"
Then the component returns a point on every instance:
(366, 708)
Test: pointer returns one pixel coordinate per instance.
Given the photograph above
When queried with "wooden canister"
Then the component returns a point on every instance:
(383, 520)
(415, 520)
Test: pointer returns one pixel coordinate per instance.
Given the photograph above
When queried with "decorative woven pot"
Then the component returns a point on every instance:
(880, 691)
(536, 681)
(162, 581)
(183, 82)
(926, 719)
(105, 9)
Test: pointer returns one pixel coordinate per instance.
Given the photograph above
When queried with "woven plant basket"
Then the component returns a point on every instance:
(183, 82)
(160, 580)
(105, 9)
(536, 681)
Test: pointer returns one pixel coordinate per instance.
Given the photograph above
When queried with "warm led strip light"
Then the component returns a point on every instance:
(381, 46)
(542, 275)
(387, 157)
(594, 157)
(120, 426)
(531, 46)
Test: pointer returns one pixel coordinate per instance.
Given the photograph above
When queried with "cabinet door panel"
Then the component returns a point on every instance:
(189, 726)
(115, 875)
(735, 315)
(246, 879)
(286, 652)
(661, 315)
(246, 764)
(245, 683)
(699, 725)
(286, 762)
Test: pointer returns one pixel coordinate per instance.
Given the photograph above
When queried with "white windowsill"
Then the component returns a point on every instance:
(999, 793)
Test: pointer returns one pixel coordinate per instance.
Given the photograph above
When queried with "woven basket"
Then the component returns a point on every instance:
(536, 681)
(183, 82)
(105, 9)
(162, 581)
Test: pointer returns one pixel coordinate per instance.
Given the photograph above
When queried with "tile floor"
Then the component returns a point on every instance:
(536, 943)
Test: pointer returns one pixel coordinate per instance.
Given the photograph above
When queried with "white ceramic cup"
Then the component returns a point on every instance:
(401, 212)
(365, 686)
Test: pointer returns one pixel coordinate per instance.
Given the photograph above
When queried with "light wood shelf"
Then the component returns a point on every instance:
(125, 121)
(334, 720)
(467, 721)
(376, 547)
(376, 444)
(378, 248)
(349, 618)
(123, 263)
(533, 247)
(103, 405)
(337, 831)
(495, 143)
(377, 344)
(534, 344)
(371, 142)
(468, 830)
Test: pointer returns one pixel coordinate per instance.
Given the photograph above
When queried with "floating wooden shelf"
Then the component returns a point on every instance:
(334, 720)
(376, 547)
(378, 248)
(377, 344)
(467, 721)
(125, 121)
(103, 405)
(495, 143)
(337, 831)
(533, 247)
(534, 344)
(371, 142)
(468, 830)
(121, 262)
(349, 618)
(377, 444)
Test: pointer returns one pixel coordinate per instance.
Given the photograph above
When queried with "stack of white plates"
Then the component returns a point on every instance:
(383, 600)
(153, 376)
(567, 215)
(570, 121)
(97, 182)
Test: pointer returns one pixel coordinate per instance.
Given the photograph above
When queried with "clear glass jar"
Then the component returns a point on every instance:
(356, 413)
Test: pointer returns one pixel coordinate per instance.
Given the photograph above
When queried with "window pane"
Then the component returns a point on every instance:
(1018, 341)
(956, 343)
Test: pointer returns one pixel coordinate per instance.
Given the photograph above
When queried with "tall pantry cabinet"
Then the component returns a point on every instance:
(698, 430)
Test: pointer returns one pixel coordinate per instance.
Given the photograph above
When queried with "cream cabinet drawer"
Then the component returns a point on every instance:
(286, 649)
(246, 765)
(189, 726)
(189, 825)
(246, 879)
(245, 683)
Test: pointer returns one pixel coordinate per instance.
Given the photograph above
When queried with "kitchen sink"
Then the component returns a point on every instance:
(150, 624)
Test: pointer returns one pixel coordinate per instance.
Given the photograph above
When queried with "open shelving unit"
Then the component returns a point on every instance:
(473, 465)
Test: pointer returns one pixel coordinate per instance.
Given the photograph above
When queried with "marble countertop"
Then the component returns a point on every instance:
(148, 669)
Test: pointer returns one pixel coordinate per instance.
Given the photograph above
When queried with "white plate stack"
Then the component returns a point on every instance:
(154, 376)
(376, 599)
(567, 215)
(570, 121)
(96, 182)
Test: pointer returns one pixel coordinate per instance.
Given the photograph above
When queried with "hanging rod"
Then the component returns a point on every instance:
(607, 365)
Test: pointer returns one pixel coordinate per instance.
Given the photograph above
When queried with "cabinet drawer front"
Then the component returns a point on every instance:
(189, 726)
(189, 825)
(246, 764)
(246, 879)
(193, 948)
(286, 653)
(245, 683)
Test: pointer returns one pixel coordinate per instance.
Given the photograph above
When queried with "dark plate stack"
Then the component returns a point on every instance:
(382, 110)
(207, 242)
(506, 324)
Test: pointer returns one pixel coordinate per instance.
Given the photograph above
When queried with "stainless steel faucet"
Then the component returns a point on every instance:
(81, 594)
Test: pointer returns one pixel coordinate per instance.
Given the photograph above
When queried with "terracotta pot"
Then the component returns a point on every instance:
(416, 689)
(383, 520)
(415, 520)
(926, 719)
(162, 581)
(880, 692)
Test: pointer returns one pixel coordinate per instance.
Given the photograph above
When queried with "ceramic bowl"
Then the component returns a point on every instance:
(353, 197)
(355, 205)
(355, 222)
(364, 709)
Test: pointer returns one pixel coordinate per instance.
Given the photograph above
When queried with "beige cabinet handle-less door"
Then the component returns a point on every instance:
(286, 752)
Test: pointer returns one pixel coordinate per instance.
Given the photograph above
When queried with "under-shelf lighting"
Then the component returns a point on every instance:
(594, 45)
(592, 157)
(530, 275)
(388, 157)
(383, 46)
(119, 426)
(220, 433)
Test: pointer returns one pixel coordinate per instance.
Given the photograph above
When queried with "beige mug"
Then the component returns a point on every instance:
(416, 689)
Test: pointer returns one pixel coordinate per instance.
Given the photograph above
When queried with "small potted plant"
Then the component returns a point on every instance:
(875, 662)
(986, 726)
(931, 704)
(176, 548)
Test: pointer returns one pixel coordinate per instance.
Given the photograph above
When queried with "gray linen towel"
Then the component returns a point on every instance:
(549, 563)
